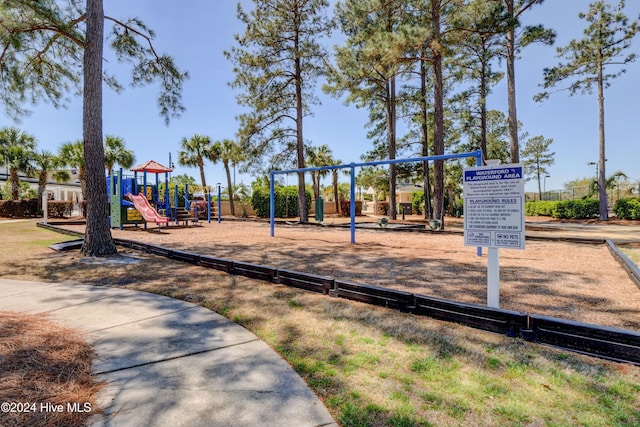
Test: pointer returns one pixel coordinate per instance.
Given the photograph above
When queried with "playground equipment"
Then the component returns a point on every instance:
(146, 204)
(124, 211)
(146, 210)
(199, 207)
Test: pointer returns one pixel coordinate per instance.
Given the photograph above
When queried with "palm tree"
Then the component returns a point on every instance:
(194, 152)
(71, 154)
(316, 157)
(16, 151)
(45, 162)
(229, 152)
(614, 181)
(452, 184)
(115, 152)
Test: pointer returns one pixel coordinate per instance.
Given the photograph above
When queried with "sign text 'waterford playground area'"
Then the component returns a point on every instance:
(494, 206)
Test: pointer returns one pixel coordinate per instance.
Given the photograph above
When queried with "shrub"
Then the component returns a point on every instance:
(56, 209)
(577, 209)
(627, 208)
(417, 201)
(540, 208)
(25, 191)
(286, 201)
(18, 208)
(260, 202)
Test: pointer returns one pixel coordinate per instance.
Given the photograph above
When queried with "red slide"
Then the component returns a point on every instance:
(146, 210)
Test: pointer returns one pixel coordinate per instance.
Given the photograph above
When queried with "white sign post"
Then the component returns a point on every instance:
(45, 205)
(494, 216)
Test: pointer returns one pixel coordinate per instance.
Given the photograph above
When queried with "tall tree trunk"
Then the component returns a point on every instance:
(483, 111)
(42, 186)
(514, 149)
(315, 181)
(229, 187)
(336, 193)
(438, 113)
(539, 187)
(202, 179)
(302, 197)
(391, 117)
(602, 177)
(82, 176)
(15, 183)
(97, 240)
(452, 202)
(425, 136)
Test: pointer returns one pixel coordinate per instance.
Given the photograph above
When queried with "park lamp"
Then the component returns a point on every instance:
(597, 165)
(544, 188)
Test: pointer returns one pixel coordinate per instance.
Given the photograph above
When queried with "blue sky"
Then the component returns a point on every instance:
(196, 32)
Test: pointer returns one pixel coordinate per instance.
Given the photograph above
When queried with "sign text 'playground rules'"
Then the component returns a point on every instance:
(494, 206)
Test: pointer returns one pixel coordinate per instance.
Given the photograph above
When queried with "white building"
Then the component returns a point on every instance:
(66, 191)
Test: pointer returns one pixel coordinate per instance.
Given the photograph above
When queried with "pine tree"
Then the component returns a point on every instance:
(277, 62)
(483, 23)
(607, 37)
(514, 42)
(46, 46)
(536, 158)
(368, 66)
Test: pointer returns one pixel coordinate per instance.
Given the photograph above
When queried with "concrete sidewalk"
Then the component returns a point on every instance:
(170, 362)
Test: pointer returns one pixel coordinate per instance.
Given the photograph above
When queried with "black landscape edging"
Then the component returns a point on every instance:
(610, 343)
(216, 263)
(255, 271)
(67, 245)
(309, 282)
(184, 256)
(52, 227)
(501, 321)
(385, 297)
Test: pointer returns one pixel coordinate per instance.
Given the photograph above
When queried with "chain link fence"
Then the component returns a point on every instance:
(622, 190)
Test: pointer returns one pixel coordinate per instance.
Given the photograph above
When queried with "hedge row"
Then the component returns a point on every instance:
(540, 208)
(574, 209)
(56, 209)
(577, 209)
(286, 202)
(627, 208)
(19, 208)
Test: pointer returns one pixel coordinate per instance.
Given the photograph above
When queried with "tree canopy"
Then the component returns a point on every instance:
(277, 62)
(606, 38)
(46, 45)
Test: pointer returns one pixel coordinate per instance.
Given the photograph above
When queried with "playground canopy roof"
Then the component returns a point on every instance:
(151, 166)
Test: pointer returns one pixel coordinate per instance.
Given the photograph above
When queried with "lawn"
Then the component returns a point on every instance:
(371, 366)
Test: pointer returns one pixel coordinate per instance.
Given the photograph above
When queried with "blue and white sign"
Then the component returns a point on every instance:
(494, 206)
